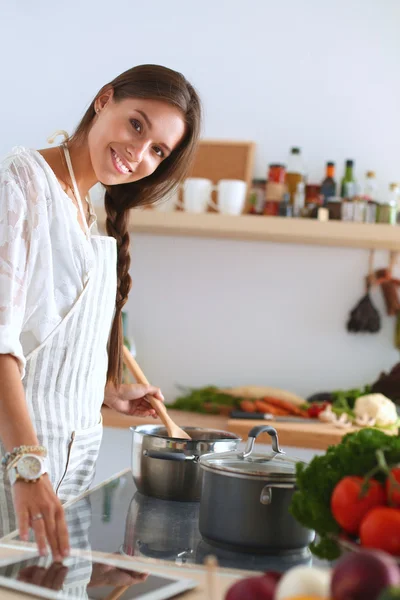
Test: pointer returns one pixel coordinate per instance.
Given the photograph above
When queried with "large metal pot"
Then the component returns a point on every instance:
(168, 468)
(245, 500)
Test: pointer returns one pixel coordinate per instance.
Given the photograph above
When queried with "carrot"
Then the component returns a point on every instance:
(247, 406)
(265, 407)
(284, 405)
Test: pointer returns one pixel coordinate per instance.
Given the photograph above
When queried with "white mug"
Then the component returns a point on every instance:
(231, 196)
(197, 196)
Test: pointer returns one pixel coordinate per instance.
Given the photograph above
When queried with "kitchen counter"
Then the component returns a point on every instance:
(115, 520)
(300, 435)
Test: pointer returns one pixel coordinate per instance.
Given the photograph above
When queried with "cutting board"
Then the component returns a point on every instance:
(302, 435)
(225, 159)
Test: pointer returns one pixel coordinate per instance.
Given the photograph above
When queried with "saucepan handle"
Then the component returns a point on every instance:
(176, 456)
(255, 432)
(266, 492)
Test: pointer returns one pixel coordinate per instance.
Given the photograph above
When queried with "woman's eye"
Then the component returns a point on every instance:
(136, 125)
(158, 151)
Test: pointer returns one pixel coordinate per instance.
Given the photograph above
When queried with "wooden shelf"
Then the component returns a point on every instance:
(268, 229)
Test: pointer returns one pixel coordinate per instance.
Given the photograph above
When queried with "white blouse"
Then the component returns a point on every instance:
(45, 257)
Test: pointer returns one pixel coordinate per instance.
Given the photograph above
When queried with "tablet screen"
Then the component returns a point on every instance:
(85, 579)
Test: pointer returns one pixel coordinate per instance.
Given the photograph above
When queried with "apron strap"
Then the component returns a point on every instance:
(75, 186)
(51, 140)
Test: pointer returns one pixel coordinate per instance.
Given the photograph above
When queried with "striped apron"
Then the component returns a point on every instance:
(65, 379)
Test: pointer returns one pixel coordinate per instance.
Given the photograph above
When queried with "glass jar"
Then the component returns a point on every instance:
(275, 188)
(271, 208)
(257, 196)
(313, 194)
(276, 173)
(334, 206)
(359, 210)
(371, 211)
(347, 210)
(387, 213)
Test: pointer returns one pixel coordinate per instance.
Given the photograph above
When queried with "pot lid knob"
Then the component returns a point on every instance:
(254, 433)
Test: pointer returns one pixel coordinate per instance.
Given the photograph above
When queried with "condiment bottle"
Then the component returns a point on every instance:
(257, 197)
(359, 205)
(347, 209)
(299, 200)
(295, 172)
(387, 210)
(370, 191)
(334, 207)
(328, 186)
(285, 208)
(275, 189)
(348, 180)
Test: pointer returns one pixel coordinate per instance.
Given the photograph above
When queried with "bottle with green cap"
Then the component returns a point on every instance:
(348, 181)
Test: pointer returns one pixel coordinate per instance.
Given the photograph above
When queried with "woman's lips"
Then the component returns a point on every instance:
(119, 164)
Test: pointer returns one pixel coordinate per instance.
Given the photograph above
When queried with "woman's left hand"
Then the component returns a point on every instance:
(130, 399)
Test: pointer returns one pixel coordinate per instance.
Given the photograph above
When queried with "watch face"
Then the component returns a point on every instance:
(29, 467)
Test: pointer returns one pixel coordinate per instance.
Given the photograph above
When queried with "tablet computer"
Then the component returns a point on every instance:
(84, 578)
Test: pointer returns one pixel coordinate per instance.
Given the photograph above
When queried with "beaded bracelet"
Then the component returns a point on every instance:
(19, 451)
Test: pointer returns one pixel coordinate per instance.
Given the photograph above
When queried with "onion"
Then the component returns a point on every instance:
(304, 581)
(274, 575)
(364, 575)
(252, 588)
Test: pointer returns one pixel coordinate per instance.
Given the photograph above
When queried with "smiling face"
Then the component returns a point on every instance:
(130, 138)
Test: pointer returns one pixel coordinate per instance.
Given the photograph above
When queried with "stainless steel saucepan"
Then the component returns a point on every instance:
(168, 468)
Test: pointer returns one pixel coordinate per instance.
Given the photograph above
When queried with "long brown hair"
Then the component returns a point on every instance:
(156, 83)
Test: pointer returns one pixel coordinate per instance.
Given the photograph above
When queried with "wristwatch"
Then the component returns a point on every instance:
(29, 468)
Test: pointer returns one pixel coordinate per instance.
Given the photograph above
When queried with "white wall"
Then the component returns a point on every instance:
(316, 73)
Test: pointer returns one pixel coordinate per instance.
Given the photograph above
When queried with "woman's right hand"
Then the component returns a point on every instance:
(34, 499)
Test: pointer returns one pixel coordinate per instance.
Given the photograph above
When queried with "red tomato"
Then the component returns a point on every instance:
(393, 487)
(349, 504)
(380, 529)
(315, 409)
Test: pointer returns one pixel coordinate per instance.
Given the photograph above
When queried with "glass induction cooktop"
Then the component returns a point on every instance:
(115, 518)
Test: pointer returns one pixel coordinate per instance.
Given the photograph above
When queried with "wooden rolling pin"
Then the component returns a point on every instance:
(172, 428)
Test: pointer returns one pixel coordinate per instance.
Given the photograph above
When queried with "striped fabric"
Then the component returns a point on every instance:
(64, 385)
(78, 518)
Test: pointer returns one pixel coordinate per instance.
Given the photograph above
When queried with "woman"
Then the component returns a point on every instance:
(63, 287)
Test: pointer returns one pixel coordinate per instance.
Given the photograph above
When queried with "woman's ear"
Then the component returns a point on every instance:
(103, 99)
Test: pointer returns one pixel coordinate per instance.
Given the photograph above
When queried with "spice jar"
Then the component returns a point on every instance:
(257, 196)
(347, 210)
(371, 209)
(334, 206)
(275, 189)
(313, 194)
(285, 209)
(276, 173)
(271, 208)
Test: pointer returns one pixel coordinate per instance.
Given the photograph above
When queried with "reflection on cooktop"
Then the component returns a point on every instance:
(124, 521)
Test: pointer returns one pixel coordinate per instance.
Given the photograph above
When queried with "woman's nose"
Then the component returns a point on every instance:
(137, 150)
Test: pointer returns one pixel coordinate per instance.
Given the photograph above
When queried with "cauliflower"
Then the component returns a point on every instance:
(377, 407)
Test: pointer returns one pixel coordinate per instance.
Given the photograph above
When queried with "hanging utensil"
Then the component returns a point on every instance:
(364, 317)
(174, 431)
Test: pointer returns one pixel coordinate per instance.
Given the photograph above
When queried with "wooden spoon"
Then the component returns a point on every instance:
(174, 431)
(213, 589)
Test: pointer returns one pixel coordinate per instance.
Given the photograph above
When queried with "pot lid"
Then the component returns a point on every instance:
(272, 465)
(264, 466)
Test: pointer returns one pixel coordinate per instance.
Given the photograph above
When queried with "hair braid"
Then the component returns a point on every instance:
(117, 227)
(152, 82)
